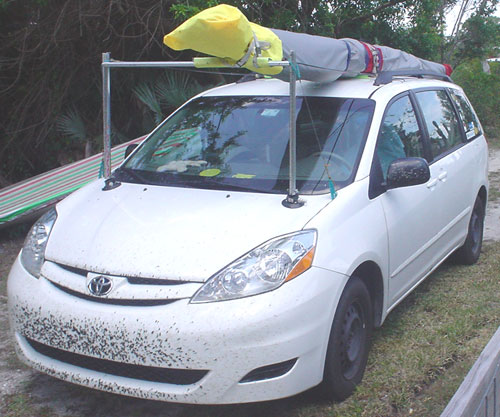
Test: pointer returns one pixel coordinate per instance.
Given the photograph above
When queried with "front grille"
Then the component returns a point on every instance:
(116, 301)
(131, 280)
(72, 269)
(145, 373)
(269, 371)
(153, 281)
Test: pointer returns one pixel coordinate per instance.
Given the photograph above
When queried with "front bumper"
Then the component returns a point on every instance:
(228, 339)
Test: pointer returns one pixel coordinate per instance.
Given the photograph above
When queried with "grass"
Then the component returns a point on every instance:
(429, 342)
(494, 193)
(22, 405)
(494, 140)
(418, 359)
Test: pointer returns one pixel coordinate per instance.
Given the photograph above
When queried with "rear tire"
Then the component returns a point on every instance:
(469, 252)
(349, 342)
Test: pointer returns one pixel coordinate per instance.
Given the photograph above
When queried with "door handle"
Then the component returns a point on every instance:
(432, 183)
(443, 176)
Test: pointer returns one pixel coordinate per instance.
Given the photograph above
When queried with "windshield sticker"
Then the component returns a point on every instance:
(176, 139)
(470, 134)
(211, 172)
(270, 112)
(180, 166)
(247, 176)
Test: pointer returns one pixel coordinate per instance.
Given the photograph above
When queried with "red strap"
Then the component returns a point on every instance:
(448, 69)
(369, 65)
(380, 59)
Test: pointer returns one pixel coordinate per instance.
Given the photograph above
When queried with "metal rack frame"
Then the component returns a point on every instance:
(292, 200)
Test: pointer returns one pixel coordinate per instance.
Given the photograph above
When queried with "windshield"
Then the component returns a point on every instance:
(241, 143)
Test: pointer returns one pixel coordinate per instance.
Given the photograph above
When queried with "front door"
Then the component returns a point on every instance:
(411, 212)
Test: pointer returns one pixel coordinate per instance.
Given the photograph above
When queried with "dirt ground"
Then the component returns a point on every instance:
(24, 392)
(492, 223)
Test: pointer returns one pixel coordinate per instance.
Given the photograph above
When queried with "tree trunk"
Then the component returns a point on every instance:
(486, 67)
(88, 148)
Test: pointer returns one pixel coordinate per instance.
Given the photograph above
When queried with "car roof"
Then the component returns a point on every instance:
(359, 87)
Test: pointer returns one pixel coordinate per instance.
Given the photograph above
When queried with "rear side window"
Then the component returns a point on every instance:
(441, 121)
(399, 136)
(469, 119)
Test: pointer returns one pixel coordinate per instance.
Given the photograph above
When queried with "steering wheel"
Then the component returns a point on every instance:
(345, 165)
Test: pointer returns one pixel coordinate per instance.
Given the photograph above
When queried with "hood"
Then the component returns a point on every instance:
(166, 232)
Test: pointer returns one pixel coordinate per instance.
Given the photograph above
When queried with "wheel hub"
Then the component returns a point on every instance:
(352, 340)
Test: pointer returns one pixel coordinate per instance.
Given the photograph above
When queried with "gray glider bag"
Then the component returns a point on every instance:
(322, 59)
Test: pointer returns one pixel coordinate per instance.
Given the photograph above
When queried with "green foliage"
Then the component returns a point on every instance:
(479, 37)
(164, 94)
(71, 124)
(146, 94)
(175, 88)
(483, 91)
(183, 11)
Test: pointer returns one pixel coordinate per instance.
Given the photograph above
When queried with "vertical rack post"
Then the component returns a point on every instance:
(292, 199)
(106, 115)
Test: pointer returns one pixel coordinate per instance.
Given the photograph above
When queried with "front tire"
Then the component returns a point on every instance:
(349, 342)
(469, 252)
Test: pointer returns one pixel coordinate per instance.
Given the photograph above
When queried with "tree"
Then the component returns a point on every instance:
(51, 54)
(474, 37)
(479, 38)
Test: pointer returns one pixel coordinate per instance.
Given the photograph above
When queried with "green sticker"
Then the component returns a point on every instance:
(211, 172)
(243, 176)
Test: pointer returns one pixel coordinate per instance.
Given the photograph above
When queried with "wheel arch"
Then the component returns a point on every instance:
(483, 195)
(371, 275)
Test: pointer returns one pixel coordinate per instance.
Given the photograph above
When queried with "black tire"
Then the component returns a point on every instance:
(469, 252)
(349, 342)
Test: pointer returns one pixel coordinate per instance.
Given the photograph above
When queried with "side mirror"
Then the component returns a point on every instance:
(406, 172)
(130, 148)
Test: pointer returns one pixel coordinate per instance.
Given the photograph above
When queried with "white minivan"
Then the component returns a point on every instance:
(189, 276)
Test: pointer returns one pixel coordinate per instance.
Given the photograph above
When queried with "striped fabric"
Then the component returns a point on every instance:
(36, 193)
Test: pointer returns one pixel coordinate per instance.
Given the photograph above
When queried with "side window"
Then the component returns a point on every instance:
(469, 119)
(399, 135)
(441, 121)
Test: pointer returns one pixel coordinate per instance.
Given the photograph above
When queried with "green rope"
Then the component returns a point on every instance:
(295, 69)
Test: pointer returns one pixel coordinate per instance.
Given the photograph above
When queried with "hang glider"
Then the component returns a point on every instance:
(225, 33)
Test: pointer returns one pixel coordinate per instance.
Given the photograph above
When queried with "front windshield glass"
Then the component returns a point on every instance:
(241, 143)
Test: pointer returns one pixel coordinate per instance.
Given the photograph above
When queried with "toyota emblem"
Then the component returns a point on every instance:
(100, 285)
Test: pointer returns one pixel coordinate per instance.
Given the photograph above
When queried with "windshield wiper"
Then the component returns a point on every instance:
(129, 174)
(213, 184)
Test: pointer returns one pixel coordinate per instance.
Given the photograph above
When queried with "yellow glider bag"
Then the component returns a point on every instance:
(223, 31)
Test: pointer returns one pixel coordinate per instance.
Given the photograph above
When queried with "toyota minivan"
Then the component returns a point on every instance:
(189, 277)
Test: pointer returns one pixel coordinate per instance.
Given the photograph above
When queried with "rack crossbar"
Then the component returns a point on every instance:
(174, 64)
(292, 199)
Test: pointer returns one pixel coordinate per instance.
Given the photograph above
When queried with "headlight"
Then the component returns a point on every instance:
(33, 253)
(262, 269)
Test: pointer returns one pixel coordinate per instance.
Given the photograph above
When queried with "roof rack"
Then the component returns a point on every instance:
(385, 77)
(292, 199)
